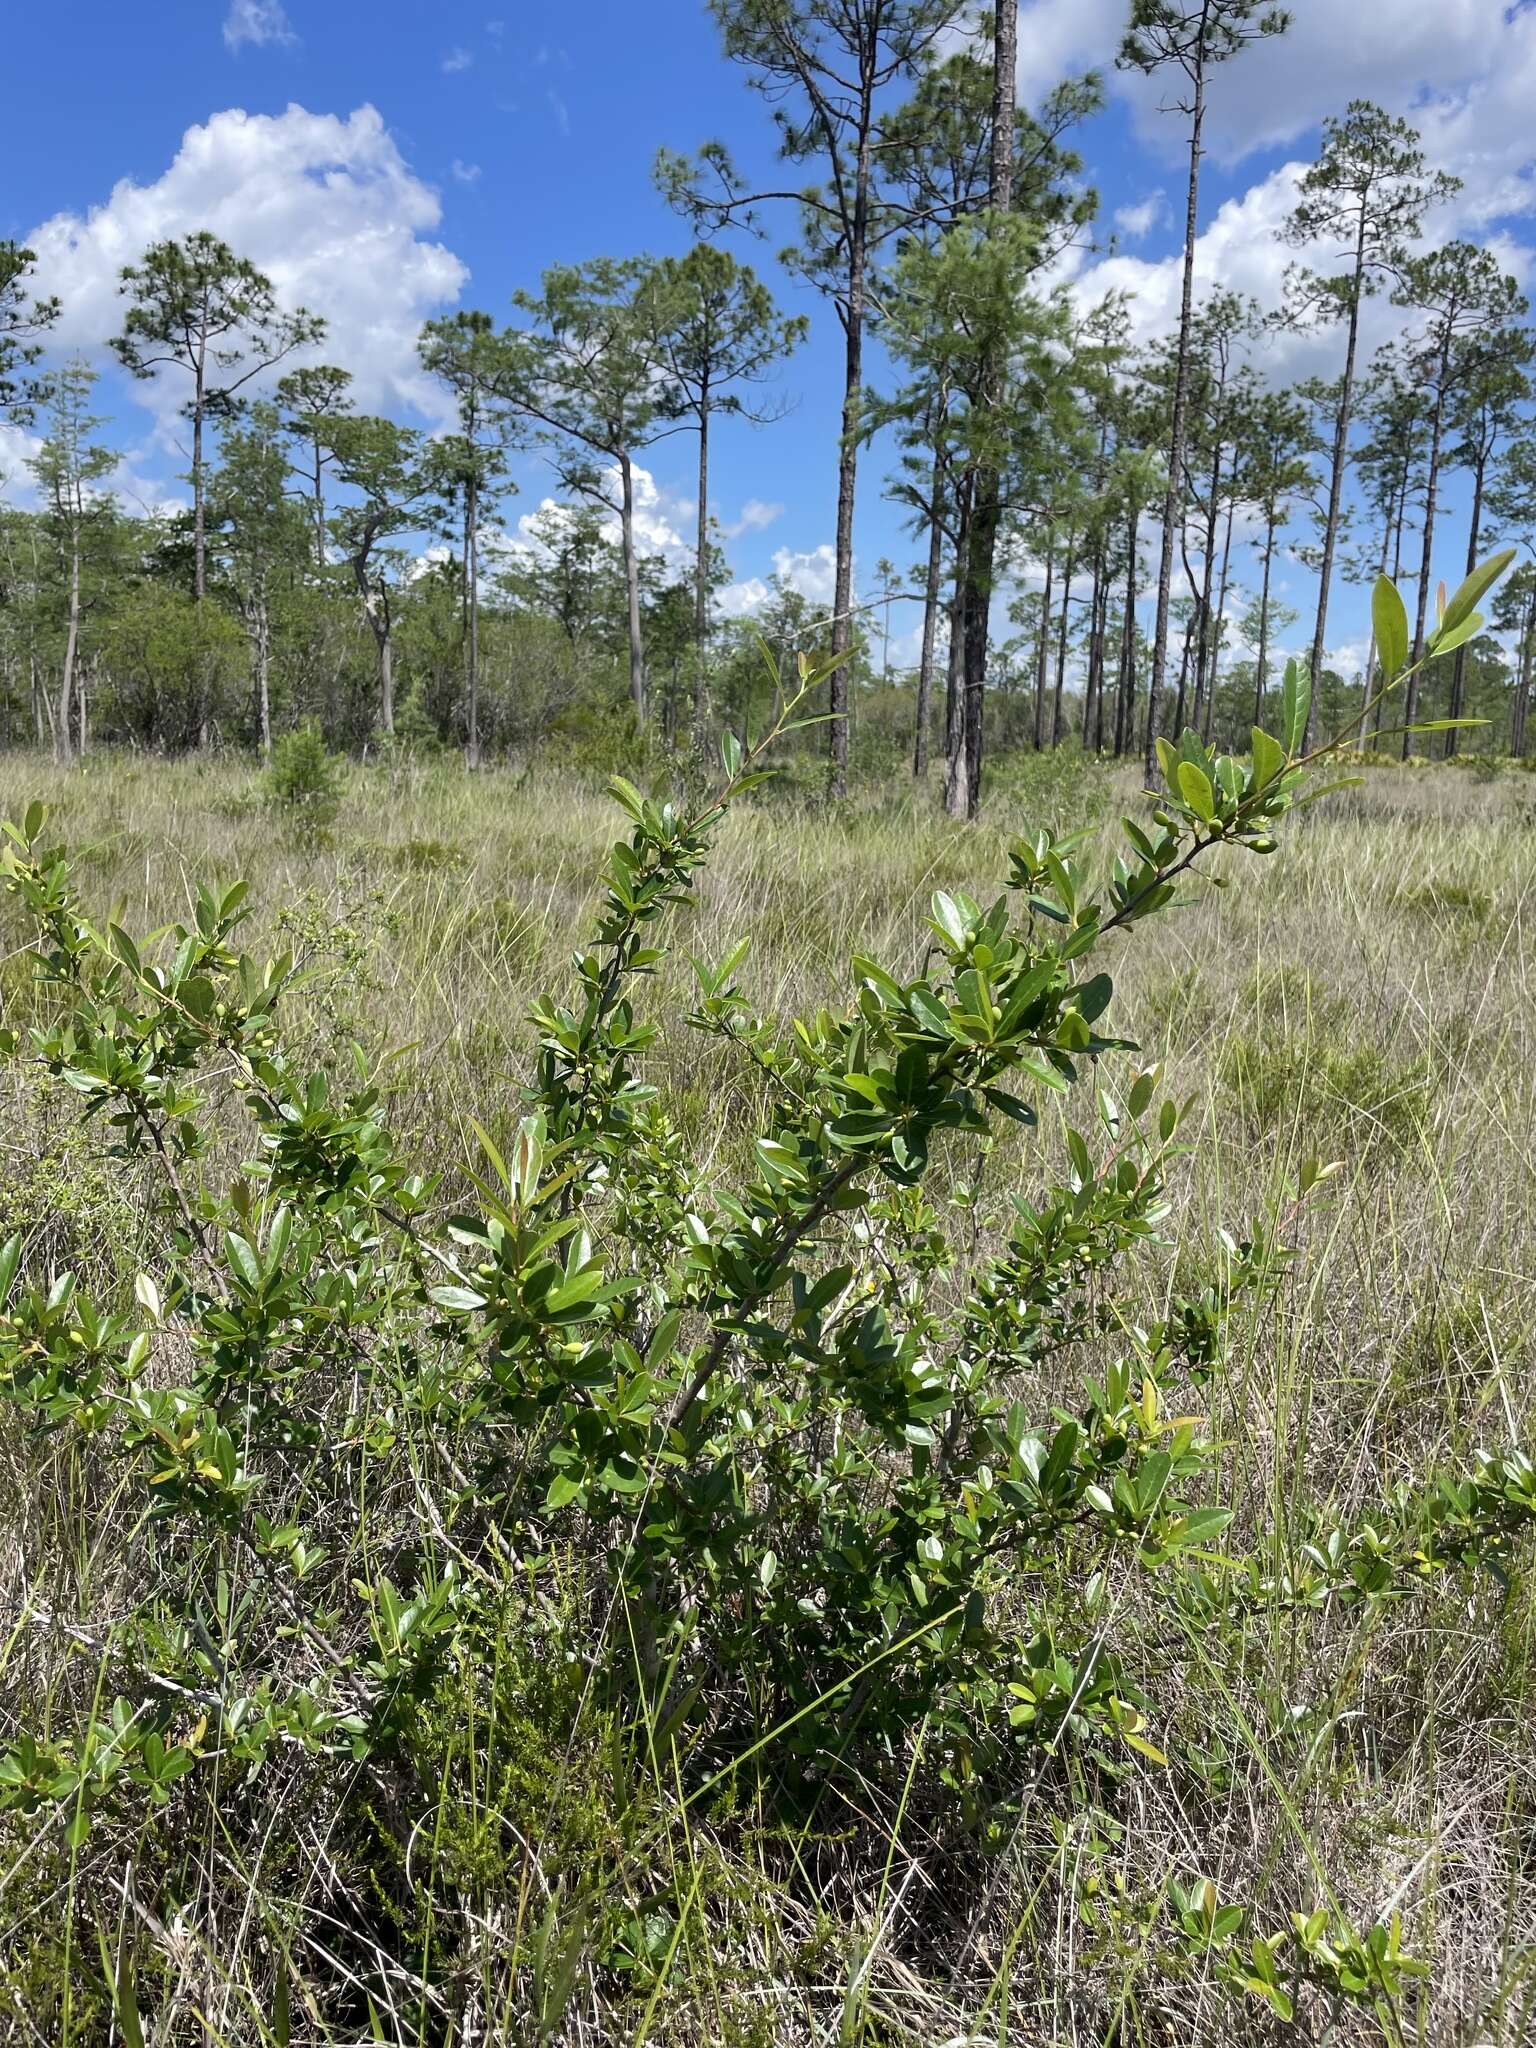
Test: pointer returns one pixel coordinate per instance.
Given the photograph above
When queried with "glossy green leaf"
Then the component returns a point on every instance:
(1389, 620)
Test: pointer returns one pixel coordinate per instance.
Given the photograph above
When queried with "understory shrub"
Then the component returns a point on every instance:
(762, 1462)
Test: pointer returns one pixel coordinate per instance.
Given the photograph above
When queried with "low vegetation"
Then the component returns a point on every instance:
(710, 1506)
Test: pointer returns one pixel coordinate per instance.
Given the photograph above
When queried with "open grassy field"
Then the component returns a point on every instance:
(1367, 996)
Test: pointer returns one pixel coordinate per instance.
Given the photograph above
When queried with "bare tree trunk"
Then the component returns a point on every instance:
(1221, 623)
(848, 468)
(1125, 708)
(1178, 715)
(954, 711)
(700, 585)
(1043, 652)
(199, 537)
(62, 733)
(1459, 670)
(1336, 475)
(472, 601)
(1093, 694)
(981, 561)
(1177, 434)
(956, 782)
(1261, 664)
(264, 677)
(1061, 641)
(632, 584)
(1431, 482)
(931, 588)
(1523, 686)
(1207, 579)
(1395, 538)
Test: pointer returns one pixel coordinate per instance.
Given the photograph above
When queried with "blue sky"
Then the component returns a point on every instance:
(386, 162)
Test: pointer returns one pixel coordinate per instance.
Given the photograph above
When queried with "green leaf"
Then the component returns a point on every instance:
(1389, 619)
(947, 918)
(457, 1299)
(1269, 758)
(1481, 578)
(1195, 787)
(730, 753)
(1144, 1748)
(624, 792)
(243, 1261)
(1295, 705)
(1449, 636)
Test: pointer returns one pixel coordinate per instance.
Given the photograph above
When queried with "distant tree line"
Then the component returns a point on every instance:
(1130, 504)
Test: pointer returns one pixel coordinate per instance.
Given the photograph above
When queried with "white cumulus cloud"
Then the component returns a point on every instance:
(324, 204)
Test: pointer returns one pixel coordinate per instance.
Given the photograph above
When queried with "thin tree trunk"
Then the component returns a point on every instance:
(1261, 666)
(1221, 624)
(1177, 434)
(62, 734)
(1396, 539)
(1061, 642)
(982, 558)
(1125, 708)
(1093, 693)
(632, 584)
(954, 682)
(1523, 686)
(1336, 476)
(264, 677)
(1208, 573)
(1043, 651)
(1184, 683)
(931, 589)
(700, 581)
(472, 600)
(1459, 669)
(848, 467)
(1431, 483)
(199, 533)
(954, 705)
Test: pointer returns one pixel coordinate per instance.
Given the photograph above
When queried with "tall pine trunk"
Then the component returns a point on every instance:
(701, 581)
(933, 583)
(981, 556)
(1522, 701)
(1261, 664)
(1125, 707)
(848, 465)
(1221, 624)
(472, 609)
(1043, 651)
(1336, 475)
(1061, 640)
(632, 583)
(1431, 483)
(1178, 430)
(1474, 534)
(62, 735)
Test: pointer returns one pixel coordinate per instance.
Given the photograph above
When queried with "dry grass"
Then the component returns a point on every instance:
(1369, 996)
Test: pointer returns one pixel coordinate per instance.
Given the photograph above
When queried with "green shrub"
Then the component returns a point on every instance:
(775, 1431)
(305, 779)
